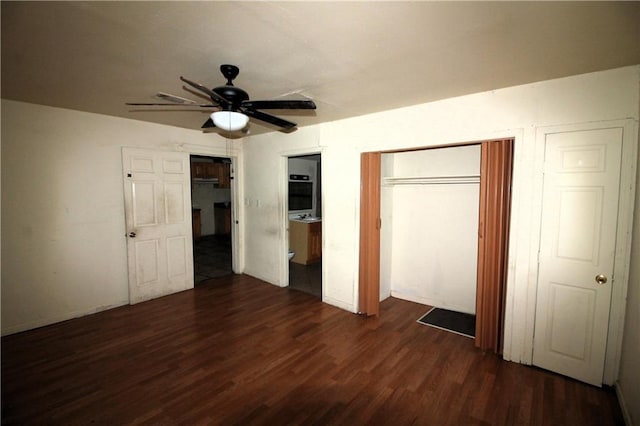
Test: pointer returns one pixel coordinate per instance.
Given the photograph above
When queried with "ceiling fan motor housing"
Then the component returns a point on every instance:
(234, 95)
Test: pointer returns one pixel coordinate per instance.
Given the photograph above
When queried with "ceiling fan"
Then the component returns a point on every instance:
(234, 106)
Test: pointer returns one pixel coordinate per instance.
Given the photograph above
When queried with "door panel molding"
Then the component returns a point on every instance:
(157, 204)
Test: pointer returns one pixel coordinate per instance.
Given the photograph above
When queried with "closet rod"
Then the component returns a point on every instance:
(431, 180)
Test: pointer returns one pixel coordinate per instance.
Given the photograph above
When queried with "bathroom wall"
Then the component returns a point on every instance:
(431, 227)
(304, 166)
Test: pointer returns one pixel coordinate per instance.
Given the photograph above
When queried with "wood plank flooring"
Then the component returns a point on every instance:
(239, 351)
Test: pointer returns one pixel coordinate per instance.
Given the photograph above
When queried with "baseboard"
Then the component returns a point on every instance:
(623, 404)
(43, 322)
(338, 303)
(257, 275)
(431, 302)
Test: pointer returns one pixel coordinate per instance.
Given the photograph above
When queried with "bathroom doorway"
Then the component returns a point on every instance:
(304, 222)
(211, 201)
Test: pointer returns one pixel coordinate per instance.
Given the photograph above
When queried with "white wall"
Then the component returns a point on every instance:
(203, 196)
(512, 112)
(433, 229)
(63, 245)
(628, 385)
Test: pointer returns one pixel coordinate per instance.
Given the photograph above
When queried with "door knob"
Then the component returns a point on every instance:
(133, 235)
(601, 279)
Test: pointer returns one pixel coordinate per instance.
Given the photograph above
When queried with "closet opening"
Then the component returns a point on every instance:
(434, 230)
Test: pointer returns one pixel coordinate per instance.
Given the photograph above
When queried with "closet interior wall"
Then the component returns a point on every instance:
(429, 235)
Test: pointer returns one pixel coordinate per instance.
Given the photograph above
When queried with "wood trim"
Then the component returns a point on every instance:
(369, 265)
(493, 238)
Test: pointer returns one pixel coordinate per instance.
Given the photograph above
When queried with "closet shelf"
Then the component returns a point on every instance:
(431, 180)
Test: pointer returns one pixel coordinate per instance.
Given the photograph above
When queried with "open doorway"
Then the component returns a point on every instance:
(211, 201)
(304, 213)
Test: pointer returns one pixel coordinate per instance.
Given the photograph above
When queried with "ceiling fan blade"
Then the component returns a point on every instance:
(208, 124)
(214, 96)
(268, 118)
(172, 105)
(173, 98)
(280, 104)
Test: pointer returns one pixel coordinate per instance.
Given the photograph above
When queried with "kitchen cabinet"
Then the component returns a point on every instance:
(196, 224)
(305, 239)
(220, 171)
(223, 171)
(222, 213)
(200, 170)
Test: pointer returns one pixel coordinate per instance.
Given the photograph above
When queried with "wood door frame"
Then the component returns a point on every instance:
(369, 262)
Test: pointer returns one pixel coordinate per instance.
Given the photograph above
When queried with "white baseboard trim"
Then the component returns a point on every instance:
(431, 302)
(623, 404)
(43, 322)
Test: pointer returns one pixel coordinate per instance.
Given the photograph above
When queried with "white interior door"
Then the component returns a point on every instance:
(158, 219)
(577, 248)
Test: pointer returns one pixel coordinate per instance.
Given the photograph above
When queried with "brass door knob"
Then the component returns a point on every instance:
(601, 279)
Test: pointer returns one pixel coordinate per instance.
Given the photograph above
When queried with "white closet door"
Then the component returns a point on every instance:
(577, 248)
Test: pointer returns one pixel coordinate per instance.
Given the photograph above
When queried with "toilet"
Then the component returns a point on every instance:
(291, 254)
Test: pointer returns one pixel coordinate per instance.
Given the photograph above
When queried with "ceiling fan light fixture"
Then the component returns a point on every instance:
(229, 120)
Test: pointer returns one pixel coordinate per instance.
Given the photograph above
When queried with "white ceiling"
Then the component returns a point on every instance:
(352, 58)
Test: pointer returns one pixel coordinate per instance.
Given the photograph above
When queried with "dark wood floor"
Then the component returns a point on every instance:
(239, 351)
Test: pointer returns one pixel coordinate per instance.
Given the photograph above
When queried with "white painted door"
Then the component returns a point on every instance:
(577, 248)
(158, 220)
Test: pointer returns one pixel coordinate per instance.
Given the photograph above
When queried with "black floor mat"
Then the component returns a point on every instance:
(456, 322)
